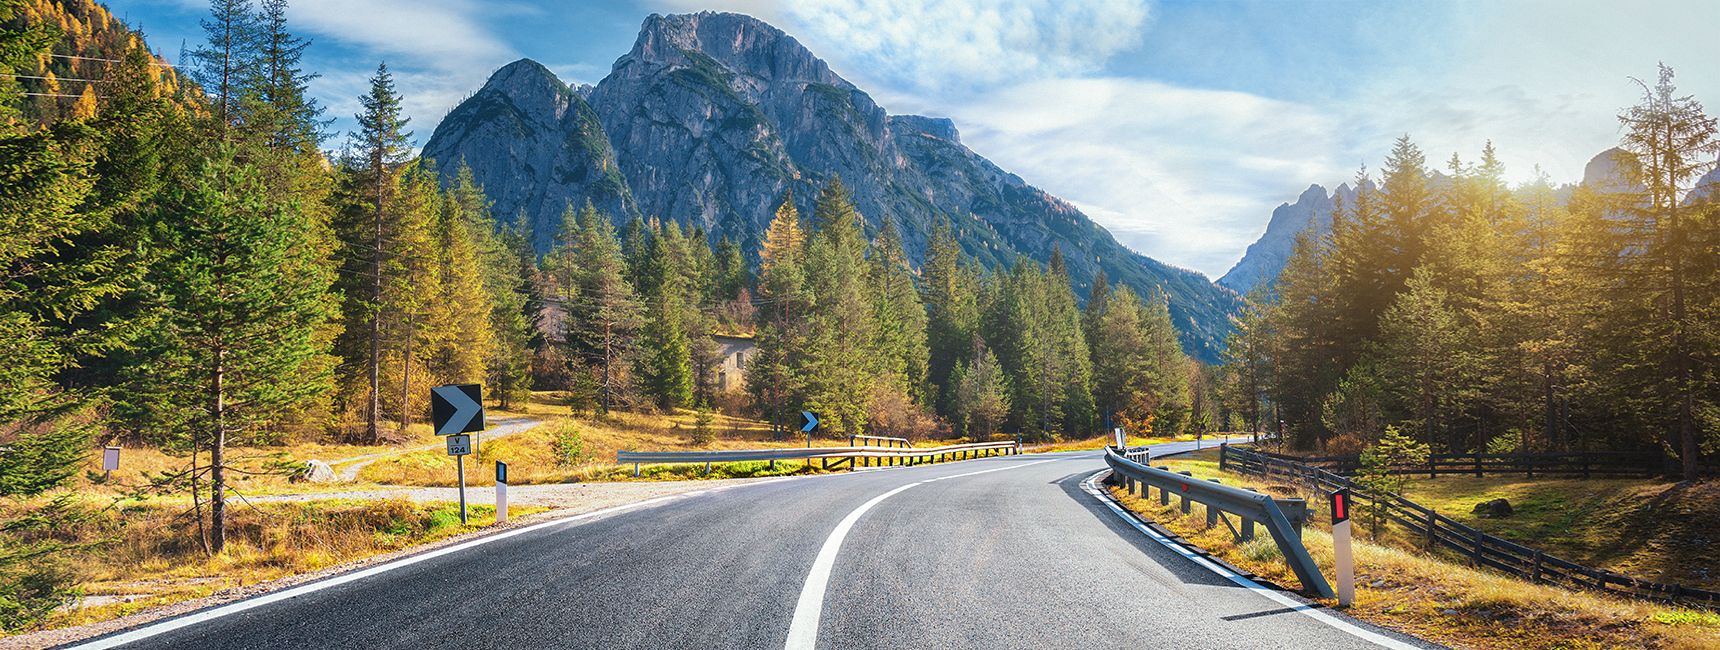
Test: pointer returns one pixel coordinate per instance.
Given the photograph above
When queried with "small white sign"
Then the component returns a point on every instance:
(110, 459)
(459, 445)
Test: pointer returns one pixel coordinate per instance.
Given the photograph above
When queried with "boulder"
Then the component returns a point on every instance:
(1494, 508)
(316, 471)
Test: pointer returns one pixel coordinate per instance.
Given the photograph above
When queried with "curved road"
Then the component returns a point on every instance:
(1006, 552)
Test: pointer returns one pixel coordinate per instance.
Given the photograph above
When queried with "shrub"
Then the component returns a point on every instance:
(565, 443)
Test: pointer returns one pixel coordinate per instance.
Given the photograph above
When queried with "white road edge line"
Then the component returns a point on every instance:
(1271, 594)
(803, 628)
(171, 624)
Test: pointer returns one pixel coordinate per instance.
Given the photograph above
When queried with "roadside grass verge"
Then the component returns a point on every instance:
(147, 554)
(1436, 599)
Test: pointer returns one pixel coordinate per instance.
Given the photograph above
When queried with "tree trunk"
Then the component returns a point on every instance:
(374, 414)
(217, 456)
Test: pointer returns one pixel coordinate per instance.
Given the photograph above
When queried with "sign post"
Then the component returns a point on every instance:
(110, 462)
(456, 410)
(811, 423)
(1120, 438)
(1345, 561)
(501, 492)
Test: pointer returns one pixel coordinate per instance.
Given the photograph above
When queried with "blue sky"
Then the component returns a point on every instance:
(1179, 125)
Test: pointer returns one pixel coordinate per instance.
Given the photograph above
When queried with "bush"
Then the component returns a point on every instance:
(565, 443)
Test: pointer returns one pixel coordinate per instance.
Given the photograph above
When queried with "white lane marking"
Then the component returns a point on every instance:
(195, 618)
(803, 628)
(1272, 594)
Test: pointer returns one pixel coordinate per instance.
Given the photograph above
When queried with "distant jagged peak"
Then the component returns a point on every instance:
(738, 42)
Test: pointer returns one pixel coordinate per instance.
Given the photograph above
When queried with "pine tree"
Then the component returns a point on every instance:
(1672, 277)
(774, 376)
(951, 288)
(665, 361)
(461, 309)
(369, 187)
(900, 343)
(979, 393)
(839, 368)
(223, 64)
(603, 320)
(238, 330)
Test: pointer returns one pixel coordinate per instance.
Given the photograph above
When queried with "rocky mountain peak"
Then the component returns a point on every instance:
(1610, 170)
(530, 86)
(738, 43)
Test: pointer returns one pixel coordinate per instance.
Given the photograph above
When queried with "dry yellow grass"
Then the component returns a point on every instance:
(150, 555)
(1442, 601)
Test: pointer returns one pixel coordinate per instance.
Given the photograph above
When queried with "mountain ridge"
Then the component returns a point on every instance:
(710, 119)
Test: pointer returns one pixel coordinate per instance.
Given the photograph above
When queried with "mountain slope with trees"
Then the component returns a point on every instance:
(712, 118)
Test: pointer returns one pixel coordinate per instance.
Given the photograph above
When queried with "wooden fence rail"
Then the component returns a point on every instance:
(1440, 531)
(1578, 464)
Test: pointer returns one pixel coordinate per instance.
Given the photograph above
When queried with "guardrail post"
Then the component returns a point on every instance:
(1211, 511)
(1223, 454)
(1536, 575)
(1247, 529)
(1184, 495)
(636, 470)
(1477, 465)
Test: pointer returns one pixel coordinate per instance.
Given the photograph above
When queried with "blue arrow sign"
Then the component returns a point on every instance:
(811, 421)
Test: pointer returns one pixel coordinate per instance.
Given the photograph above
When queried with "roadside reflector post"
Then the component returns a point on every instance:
(1345, 561)
(501, 492)
(461, 465)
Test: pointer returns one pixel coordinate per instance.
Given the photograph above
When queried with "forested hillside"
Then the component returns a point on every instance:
(188, 266)
(1480, 317)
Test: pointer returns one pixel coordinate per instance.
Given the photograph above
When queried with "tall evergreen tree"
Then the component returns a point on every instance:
(839, 368)
(774, 376)
(900, 341)
(951, 287)
(370, 187)
(238, 329)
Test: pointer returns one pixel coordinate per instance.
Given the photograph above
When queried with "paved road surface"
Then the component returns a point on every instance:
(1005, 552)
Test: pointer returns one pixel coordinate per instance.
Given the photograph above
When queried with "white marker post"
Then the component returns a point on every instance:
(1346, 563)
(501, 492)
(1122, 439)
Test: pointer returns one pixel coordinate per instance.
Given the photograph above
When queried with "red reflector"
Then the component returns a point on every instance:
(1342, 511)
(1185, 487)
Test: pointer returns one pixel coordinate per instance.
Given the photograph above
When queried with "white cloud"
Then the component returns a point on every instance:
(1185, 175)
(446, 35)
(936, 44)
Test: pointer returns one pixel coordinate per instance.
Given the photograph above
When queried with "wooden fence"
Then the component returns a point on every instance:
(1585, 464)
(1480, 548)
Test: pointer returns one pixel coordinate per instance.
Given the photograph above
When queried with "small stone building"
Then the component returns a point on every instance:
(732, 372)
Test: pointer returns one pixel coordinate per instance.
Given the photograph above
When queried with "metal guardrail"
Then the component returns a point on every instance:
(883, 441)
(1478, 547)
(1247, 505)
(830, 455)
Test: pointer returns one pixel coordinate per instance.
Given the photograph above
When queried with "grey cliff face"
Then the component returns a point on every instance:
(712, 118)
(1266, 257)
(536, 147)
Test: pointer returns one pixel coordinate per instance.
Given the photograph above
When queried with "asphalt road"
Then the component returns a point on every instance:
(1005, 552)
